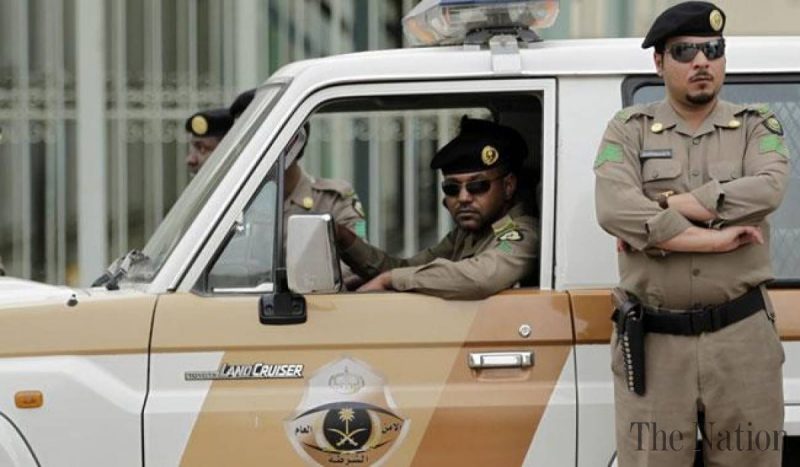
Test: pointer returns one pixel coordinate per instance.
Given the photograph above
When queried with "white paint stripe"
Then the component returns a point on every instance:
(174, 404)
(554, 441)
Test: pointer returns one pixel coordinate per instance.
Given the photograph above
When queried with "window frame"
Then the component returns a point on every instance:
(307, 104)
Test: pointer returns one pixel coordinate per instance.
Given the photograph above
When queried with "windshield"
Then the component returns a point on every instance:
(199, 190)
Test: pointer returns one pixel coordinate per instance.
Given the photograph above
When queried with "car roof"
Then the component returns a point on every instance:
(580, 57)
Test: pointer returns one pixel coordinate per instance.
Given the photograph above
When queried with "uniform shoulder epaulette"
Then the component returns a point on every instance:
(760, 109)
(633, 111)
(767, 116)
(339, 186)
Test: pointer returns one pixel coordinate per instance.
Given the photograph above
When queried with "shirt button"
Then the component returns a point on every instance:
(695, 272)
(695, 173)
(696, 141)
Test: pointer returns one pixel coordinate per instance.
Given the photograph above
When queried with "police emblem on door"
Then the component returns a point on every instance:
(347, 416)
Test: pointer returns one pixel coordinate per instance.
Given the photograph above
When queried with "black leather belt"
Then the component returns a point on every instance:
(697, 321)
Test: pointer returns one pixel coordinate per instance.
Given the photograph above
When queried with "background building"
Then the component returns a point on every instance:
(94, 94)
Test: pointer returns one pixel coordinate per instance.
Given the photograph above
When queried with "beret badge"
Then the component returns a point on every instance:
(716, 21)
(489, 155)
(199, 125)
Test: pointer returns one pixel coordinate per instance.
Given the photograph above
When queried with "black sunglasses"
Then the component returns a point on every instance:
(474, 187)
(685, 52)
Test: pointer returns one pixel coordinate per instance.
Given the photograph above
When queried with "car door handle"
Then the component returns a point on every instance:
(500, 359)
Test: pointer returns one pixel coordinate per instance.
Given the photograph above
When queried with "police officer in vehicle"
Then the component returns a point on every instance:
(686, 185)
(303, 194)
(494, 244)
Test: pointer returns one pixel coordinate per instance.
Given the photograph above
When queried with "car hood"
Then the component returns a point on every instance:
(14, 291)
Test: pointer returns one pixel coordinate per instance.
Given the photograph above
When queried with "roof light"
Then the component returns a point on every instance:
(442, 22)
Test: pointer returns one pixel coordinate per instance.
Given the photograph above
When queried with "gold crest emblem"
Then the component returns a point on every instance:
(657, 127)
(734, 123)
(489, 155)
(308, 203)
(199, 125)
(346, 417)
(716, 21)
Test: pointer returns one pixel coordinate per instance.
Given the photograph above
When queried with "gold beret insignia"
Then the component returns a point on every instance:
(716, 21)
(199, 125)
(489, 155)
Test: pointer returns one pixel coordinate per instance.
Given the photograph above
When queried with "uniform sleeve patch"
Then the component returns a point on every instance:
(773, 143)
(505, 247)
(774, 125)
(611, 152)
(360, 228)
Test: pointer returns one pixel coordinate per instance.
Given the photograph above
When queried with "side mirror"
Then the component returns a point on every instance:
(312, 263)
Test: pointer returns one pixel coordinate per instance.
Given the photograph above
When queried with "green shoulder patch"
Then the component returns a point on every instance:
(505, 247)
(773, 143)
(611, 152)
(360, 228)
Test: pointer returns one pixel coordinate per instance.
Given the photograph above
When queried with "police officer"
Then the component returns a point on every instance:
(494, 244)
(686, 185)
(207, 129)
(303, 193)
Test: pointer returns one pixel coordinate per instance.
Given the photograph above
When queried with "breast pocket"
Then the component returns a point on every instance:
(661, 175)
(725, 171)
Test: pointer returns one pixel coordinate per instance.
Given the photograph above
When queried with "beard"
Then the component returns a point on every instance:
(701, 98)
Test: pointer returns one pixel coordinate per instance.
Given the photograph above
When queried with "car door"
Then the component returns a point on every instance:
(397, 378)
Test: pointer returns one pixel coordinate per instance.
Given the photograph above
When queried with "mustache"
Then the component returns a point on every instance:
(700, 75)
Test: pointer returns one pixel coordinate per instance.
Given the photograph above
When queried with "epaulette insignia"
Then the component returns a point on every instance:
(357, 207)
(761, 109)
(511, 235)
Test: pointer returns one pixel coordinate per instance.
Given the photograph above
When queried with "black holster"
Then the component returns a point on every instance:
(629, 317)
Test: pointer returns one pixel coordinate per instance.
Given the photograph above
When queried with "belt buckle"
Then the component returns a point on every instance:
(702, 320)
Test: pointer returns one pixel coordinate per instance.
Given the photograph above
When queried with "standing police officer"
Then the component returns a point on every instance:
(686, 185)
(495, 243)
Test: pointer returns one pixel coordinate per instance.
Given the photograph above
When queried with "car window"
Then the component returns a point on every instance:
(246, 258)
(783, 98)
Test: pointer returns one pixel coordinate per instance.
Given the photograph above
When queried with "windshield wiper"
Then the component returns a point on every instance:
(119, 269)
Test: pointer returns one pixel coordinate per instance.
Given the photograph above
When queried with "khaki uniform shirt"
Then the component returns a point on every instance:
(464, 265)
(735, 164)
(245, 261)
(325, 196)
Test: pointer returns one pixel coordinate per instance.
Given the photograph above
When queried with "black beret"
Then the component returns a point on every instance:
(215, 122)
(481, 145)
(242, 101)
(685, 19)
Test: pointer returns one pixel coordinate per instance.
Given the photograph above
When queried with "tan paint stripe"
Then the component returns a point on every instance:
(96, 326)
(592, 310)
(490, 417)
(786, 303)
